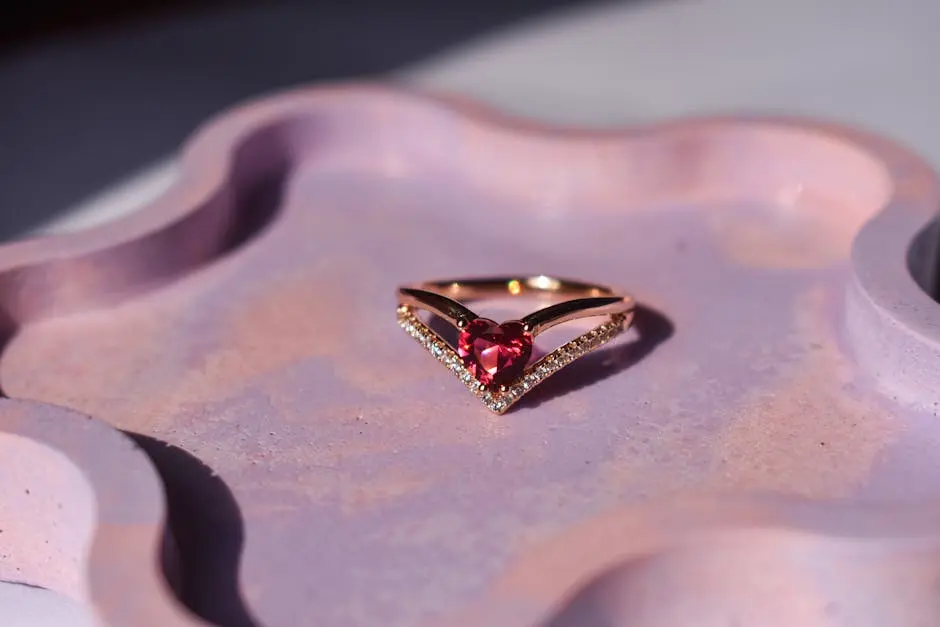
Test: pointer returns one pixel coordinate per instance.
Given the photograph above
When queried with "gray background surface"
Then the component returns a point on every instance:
(871, 63)
(84, 109)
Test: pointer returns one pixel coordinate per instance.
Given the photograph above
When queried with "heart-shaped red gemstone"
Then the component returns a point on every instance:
(496, 354)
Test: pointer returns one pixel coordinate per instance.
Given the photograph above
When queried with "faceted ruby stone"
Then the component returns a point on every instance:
(496, 354)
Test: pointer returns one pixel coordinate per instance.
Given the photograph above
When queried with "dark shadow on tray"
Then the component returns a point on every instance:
(652, 328)
(603, 601)
(201, 556)
(923, 259)
(25, 584)
(258, 205)
(8, 329)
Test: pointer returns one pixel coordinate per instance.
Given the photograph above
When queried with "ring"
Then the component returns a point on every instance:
(492, 359)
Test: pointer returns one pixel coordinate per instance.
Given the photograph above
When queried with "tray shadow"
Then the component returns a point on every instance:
(206, 529)
(923, 259)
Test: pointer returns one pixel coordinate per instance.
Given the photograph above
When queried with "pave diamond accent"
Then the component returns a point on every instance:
(499, 401)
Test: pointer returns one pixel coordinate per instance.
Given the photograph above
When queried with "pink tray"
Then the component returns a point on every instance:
(762, 449)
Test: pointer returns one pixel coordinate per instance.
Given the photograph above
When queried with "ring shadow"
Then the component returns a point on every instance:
(652, 329)
(206, 535)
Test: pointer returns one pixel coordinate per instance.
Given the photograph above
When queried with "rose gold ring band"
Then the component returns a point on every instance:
(494, 360)
(576, 299)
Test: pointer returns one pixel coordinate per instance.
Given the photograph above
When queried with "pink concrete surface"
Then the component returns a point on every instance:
(761, 449)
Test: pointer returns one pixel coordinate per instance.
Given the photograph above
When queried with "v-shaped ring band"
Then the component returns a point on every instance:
(491, 359)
